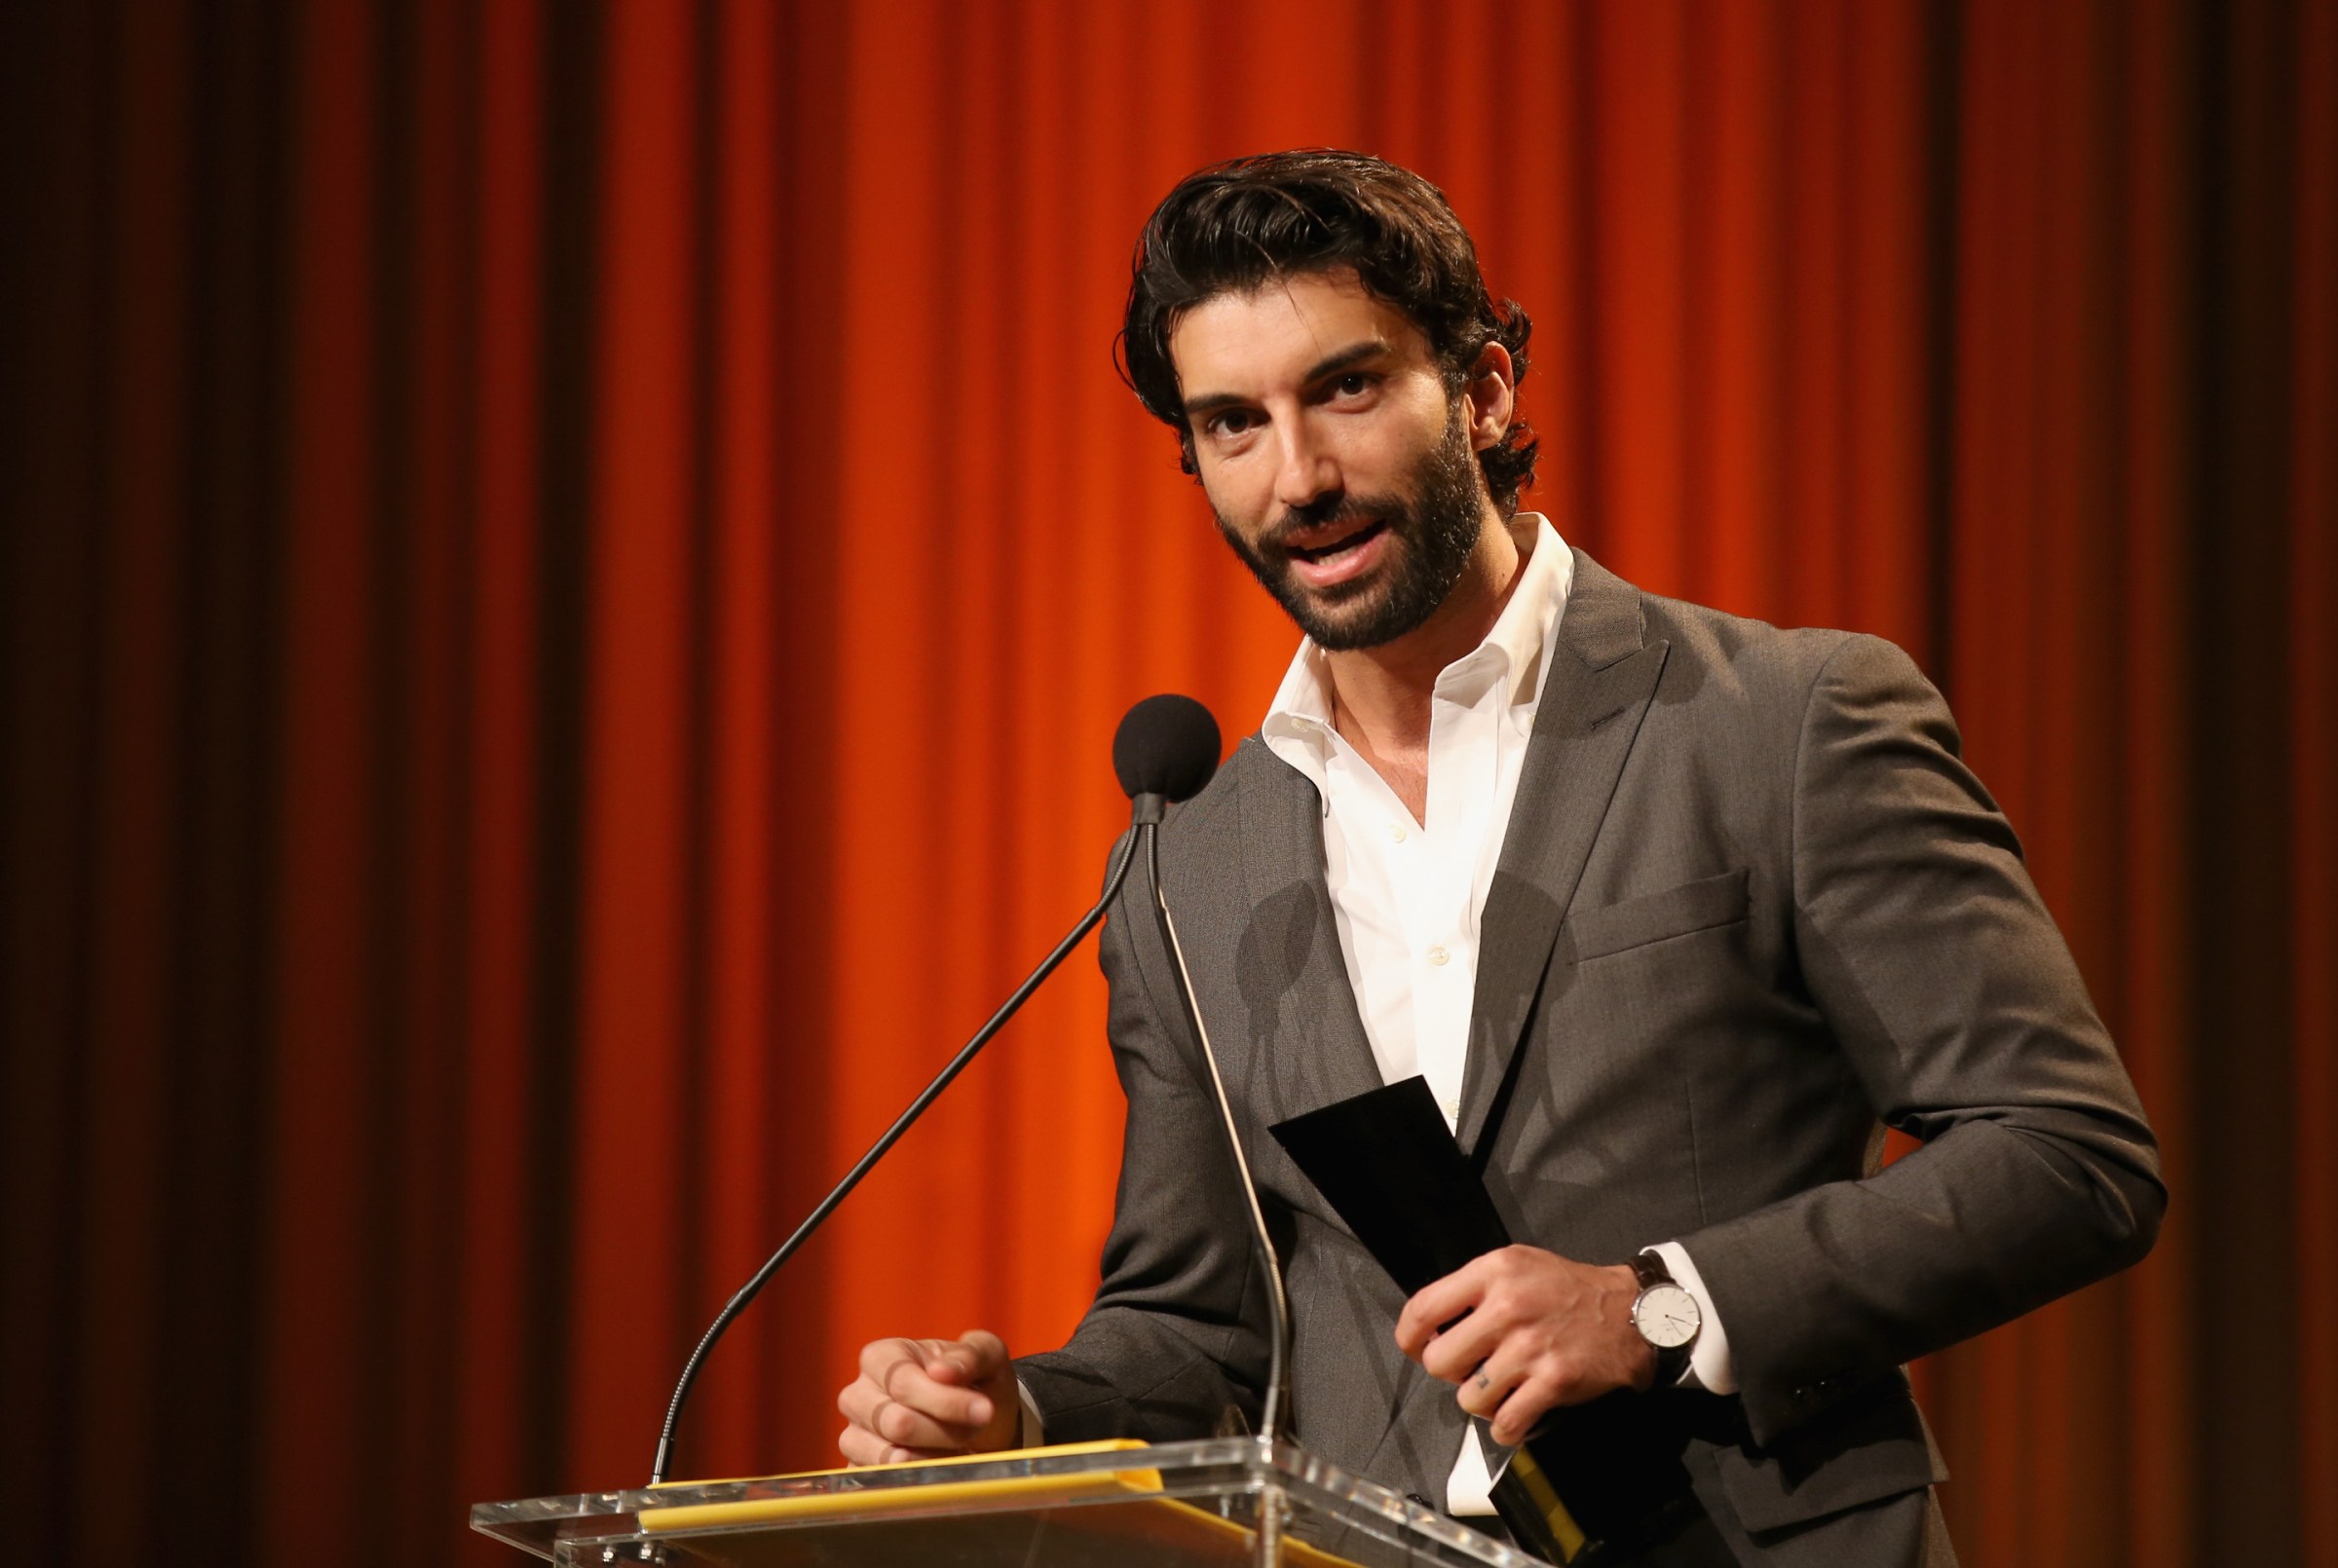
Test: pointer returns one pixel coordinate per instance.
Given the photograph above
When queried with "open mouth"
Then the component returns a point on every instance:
(1339, 546)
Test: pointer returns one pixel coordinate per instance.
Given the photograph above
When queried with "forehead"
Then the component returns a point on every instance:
(1268, 338)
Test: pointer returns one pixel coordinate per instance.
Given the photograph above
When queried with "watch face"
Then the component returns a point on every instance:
(1666, 1315)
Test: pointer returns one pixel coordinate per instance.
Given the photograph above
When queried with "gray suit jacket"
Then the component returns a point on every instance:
(1751, 909)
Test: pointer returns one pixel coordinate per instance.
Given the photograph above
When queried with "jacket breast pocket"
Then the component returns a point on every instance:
(1676, 911)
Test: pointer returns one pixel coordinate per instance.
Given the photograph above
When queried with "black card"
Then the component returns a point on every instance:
(1389, 1165)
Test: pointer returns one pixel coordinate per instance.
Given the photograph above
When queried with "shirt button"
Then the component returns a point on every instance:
(1438, 956)
(1396, 832)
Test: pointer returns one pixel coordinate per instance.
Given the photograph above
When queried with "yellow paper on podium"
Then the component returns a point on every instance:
(1101, 1519)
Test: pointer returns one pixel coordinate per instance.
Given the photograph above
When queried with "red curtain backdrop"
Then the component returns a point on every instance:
(571, 568)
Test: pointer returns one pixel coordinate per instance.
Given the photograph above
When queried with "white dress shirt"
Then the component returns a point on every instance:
(1408, 895)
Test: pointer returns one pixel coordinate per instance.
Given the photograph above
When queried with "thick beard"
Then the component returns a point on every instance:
(1430, 539)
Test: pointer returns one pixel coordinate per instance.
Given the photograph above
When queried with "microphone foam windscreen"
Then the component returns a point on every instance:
(1167, 745)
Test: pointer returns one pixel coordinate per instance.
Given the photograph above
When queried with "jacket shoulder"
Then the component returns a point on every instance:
(1753, 653)
(1775, 670)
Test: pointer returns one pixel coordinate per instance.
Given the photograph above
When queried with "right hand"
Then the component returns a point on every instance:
(929, 1398)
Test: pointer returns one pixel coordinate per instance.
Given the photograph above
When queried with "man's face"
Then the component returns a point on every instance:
(1341, 470)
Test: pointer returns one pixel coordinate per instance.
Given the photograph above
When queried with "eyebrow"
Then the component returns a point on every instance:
(1331, 365)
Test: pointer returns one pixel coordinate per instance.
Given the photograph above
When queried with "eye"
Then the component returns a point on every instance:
(1352, 385)
(1228, 422)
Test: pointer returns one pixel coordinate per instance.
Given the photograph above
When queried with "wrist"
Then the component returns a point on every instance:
(1623, 1292)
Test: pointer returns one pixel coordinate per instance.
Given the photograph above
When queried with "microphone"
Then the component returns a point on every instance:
(1165, 750)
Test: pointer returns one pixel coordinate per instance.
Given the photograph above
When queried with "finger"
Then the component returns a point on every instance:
(1465, 1346)
(946, 1361)
(898, 1455)
(864, 1403)
(862, 1400)
(907, 1382)
(862, 1446)
(907, 1427)
(885, 1420)
(858, 1400)
(904, 1423)
(975, 1356)
(891, 1423)
(1437, 1303)
(989, 1351)
(878, 1357)
(1535, 1396)
(1491, 1381)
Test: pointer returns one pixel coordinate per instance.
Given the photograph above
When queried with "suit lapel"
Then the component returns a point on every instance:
(1308, 1045)
(1292, 976)
(1601, 679)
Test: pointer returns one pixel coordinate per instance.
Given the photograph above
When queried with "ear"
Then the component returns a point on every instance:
(1491, 391)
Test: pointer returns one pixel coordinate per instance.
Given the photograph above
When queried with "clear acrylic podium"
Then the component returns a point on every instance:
(1226, 1501)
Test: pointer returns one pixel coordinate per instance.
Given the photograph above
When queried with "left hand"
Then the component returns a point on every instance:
(1534, 1330)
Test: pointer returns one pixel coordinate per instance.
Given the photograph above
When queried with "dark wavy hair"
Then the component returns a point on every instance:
(1235, 226)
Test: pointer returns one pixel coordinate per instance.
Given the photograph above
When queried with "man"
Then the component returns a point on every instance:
(1673, 910)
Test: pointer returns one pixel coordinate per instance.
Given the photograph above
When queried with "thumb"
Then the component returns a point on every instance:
(990, 1357)
(945, 1361)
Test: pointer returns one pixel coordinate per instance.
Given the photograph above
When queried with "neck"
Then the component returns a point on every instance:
(1380, 695)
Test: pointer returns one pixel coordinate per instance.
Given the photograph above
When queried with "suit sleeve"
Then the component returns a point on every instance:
(1176, 1334)
(1926, 947)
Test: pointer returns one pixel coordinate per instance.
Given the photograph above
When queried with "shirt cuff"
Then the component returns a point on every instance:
(1033, 1433)
(1469, 1489)
(1710, 1366)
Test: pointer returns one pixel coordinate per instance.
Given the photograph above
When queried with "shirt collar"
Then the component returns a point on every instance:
(1517, 648)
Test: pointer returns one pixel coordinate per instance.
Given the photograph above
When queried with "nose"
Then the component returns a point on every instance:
(1305, 472)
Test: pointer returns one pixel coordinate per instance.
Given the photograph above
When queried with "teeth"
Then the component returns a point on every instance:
(1324, 552)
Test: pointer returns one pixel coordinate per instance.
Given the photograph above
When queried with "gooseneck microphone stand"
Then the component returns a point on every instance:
(1279, 1304)
(1165, 750)
(877, 1151)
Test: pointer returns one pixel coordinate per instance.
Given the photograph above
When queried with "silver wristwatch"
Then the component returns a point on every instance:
(1667, 1317)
